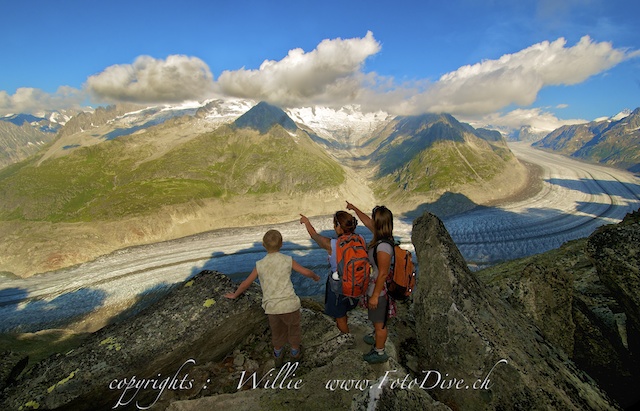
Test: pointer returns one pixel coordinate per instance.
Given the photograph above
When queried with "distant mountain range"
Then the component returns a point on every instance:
(95, 175)
(127, 160)
(22, 135)
(614, 142)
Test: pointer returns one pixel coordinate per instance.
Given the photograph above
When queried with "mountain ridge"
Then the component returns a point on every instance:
(263, 116)
(613, 141)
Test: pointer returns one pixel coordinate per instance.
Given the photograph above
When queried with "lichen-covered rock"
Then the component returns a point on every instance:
(331, 373)
(153, 351)
(483, 354)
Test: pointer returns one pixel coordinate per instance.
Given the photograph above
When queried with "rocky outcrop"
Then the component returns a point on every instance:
(584, 299)
(463, 344)
(135, 360)
(332, 375)
(196, 350)
(544, 294)
(485, 354)
(614, 251)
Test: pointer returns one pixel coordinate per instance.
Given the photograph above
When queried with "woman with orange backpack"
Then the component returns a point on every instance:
(381, 251)
(349, 275)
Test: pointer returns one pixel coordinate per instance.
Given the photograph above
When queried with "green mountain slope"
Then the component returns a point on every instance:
(120, 178)
(435, 152)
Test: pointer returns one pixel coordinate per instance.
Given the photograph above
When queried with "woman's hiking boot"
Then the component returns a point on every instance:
(373, 357)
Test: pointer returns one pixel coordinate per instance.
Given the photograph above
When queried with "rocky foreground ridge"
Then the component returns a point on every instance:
(467, 341)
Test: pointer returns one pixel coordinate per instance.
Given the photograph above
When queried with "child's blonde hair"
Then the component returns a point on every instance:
(272, 240)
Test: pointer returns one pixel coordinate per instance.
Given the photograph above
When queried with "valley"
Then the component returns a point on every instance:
(572, 200)
(126, 176)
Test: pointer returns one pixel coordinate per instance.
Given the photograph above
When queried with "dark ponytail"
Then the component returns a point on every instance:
(346, 221)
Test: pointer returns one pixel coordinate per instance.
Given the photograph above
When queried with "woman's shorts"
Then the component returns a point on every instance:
(337, 305)
(379, 314)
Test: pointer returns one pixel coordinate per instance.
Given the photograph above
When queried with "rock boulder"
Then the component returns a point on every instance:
(482, 353)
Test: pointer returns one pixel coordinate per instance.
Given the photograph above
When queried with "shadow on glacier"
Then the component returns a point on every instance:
(239, 264)
(490, 235)
(625, 190)
(447, 205)
(143, 300)
(19, 314)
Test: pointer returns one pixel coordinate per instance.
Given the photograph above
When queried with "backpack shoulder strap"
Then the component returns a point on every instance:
(391, 242)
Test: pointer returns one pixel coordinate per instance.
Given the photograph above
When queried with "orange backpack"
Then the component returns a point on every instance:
(353, 265)
(401, 280)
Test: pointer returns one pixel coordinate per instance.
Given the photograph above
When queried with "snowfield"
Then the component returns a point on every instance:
(575, 199)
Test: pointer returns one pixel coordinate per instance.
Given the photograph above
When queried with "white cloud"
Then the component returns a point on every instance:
(33, 100)
(333, 75)
(535, 117)
(516, 78)
(150, 80)
(330, 74)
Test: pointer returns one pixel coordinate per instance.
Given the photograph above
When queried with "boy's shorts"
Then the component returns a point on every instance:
(285, 328)
(337, 305)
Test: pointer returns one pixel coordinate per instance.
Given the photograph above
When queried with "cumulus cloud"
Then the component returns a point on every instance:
(329, 74)
(150, 80)
(333, 74)
(516, 78)
(33, 100)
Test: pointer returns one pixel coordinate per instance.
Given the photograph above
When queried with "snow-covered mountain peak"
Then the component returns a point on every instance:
(624, 113)
(222, 111)
(346, 125)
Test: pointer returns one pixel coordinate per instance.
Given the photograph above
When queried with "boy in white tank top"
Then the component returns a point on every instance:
(279, 300)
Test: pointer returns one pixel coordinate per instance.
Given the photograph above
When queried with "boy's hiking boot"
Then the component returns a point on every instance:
(279, 359)
(369, 339)
(372, 357)
(297, 357)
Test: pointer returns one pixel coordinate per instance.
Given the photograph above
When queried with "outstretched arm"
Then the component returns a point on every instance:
(366, 220)
(322, 241)
(304, 271)
(244, 285)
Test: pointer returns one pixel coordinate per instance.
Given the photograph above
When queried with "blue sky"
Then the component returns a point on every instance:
(501, 61)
